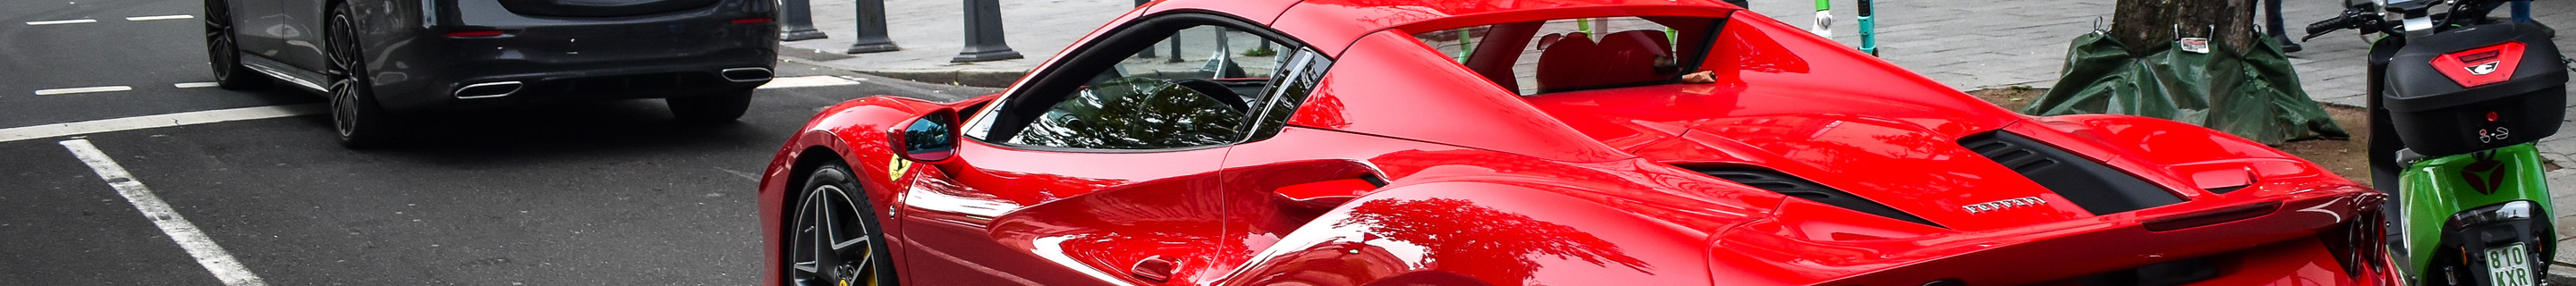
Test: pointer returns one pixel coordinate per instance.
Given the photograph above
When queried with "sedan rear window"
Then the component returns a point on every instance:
(1560, 55)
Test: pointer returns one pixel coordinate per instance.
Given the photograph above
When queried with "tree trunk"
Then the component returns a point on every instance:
(2149, 25)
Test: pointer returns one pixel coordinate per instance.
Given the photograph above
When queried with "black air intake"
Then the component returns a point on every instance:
(2098, 188)
(1793, 186)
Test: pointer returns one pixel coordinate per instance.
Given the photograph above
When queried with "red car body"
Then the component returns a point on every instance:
(1406, 168)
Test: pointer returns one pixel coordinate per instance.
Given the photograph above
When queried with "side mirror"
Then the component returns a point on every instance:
(929, 138)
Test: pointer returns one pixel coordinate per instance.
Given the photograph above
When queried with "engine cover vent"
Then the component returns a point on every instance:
(2096, 187)
(1793, 186)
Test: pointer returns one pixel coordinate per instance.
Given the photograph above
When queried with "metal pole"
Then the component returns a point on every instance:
(1824, 19)
(872, 29)
(797, 21)
(984, 34)
(1868, 30)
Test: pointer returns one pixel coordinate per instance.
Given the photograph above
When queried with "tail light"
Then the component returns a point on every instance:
(2361, 244)
(750, 20)
(2480, 66)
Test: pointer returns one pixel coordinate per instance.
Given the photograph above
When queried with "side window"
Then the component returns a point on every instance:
(1538, 57)
(1200, 85)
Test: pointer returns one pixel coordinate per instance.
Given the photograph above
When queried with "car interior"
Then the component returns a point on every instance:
(1538, 57)
(1194, 86)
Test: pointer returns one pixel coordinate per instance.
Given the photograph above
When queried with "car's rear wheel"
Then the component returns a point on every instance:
(223, 54)
(711, 108)
(834, 239)
(359, 120)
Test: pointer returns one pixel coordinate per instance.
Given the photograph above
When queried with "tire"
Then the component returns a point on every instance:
(224, 54)
(359, 120)
(712, 108)
(832, 219)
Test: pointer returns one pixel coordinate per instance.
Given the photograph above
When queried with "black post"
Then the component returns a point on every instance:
(1176, 47)
(1149, 49)
(797, 21)
(984, 34)
(872, 29)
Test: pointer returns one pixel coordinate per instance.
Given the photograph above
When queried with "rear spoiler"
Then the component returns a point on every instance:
(2170, 245)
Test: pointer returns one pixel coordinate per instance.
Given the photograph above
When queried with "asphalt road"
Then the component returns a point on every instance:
(609, 193)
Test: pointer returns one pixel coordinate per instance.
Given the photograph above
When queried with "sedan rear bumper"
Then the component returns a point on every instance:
(726, 47)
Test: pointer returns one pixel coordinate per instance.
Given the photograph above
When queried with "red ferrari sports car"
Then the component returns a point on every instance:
(1527, 142)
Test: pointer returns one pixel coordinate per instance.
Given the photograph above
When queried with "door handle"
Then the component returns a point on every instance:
(1326, 194)
(1154, 268)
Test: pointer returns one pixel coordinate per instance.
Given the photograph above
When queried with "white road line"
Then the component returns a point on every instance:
(60, 22)
(208, 254)
(83, 90)
(807, 81)
(162, 17)
(158, 121)
(192, 84)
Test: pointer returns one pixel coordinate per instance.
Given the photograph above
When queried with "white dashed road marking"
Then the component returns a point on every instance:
(60, 22)
(158, 121)
(162, 17)
(249, 113)
(82, 90)
(807, 81)
(196, 242)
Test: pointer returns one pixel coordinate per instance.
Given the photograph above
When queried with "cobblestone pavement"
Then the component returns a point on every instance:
(1966, 44)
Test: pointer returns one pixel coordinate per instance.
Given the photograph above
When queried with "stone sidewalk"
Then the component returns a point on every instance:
(1966, 44)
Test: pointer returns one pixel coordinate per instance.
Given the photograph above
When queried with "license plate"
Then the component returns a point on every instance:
(2509, 265)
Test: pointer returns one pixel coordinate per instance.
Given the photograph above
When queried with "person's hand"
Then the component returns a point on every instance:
(1700, 77)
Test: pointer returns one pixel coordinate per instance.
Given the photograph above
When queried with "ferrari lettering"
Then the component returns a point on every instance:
(2003, 204)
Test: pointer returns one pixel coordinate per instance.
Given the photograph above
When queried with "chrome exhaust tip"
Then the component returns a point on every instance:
(488, 90)
(746, 74)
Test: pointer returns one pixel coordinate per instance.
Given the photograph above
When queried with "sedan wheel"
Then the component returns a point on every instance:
(836, 240)
(223, 54)
(354, 112)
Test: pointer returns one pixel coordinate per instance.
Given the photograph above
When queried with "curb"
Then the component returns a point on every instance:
(986, 77)
(974, 78)
(2558, 274)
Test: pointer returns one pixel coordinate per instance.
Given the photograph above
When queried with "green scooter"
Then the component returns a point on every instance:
(2456, 99)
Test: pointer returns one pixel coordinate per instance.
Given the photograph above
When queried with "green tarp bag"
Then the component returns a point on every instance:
(2253, 94)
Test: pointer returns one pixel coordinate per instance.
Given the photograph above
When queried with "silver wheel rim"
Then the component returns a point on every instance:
(831, 245)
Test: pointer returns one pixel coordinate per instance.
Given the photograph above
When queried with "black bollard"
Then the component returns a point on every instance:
(872, 29)
(984, 34)
(797, 21)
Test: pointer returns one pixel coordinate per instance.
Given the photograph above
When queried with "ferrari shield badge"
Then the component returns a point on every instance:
(896, 167)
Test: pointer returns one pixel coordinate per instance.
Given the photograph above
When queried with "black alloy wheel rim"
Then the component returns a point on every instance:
(219, 39)
(344, 73)
(832, 245)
